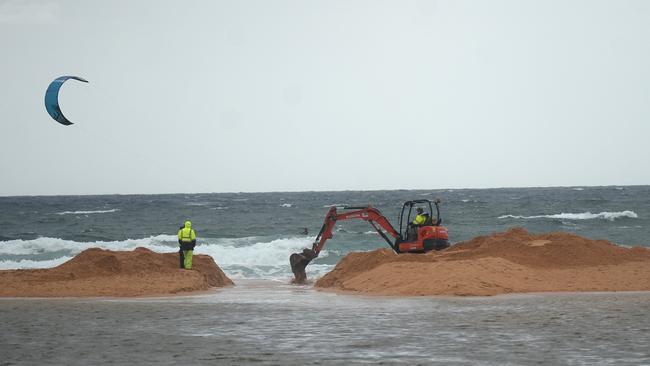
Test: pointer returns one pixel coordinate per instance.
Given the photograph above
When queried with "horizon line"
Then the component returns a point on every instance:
(321, 191)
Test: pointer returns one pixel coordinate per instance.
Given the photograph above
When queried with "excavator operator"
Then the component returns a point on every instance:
(420, 218)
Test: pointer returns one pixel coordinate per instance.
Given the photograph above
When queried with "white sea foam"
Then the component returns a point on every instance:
(578, 189)
(31, 264)
(266, 259)
(611, 216)
(286, 205)
(248, 257)
(87, 212)
(46, 245)
(269, 253)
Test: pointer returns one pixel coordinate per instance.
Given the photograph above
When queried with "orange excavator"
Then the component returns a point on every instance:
(410, 238)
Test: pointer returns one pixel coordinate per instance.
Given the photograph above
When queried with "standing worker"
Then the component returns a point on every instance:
(187, 242)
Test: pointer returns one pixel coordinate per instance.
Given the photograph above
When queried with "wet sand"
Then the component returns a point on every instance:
(273, 323)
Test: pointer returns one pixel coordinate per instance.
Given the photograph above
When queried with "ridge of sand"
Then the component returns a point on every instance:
(97, 272)
(514, 261)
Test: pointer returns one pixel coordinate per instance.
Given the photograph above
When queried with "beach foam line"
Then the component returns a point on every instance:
(246, 257)
(261, 259)
(44, 245)
(264, 253)
(87, 212)
(32, 264)
(610, 216)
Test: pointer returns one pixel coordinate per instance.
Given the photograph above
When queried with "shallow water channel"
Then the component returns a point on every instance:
(269, 322)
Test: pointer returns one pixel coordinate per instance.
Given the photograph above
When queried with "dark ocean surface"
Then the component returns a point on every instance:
(250, 235)
(264, 320)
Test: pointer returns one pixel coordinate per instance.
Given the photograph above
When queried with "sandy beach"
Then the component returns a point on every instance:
(98, 273)
(515, 261)
(510, 262)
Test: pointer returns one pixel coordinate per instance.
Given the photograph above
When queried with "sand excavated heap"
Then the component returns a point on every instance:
(511, 262)
(98, 272)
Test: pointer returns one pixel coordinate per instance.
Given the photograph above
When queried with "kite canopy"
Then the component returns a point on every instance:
(52, 99)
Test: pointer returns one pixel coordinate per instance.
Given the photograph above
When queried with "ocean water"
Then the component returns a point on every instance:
(251, 235)
(264, 320)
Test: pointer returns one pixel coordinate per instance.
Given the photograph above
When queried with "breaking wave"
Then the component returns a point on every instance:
(262, 259)
(86, 212)
(247, 257)
(611, 216)
(32, 264)
(44, 245)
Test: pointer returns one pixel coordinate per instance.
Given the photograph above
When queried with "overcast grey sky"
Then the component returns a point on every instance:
(214, 96)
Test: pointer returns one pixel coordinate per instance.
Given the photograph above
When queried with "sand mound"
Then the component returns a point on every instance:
(513, 261)
(98, 272)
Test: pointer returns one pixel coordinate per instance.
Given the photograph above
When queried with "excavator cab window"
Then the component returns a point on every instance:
(408, 214)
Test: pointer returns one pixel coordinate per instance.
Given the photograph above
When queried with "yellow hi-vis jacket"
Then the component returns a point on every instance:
(420, 219)
(187, 234)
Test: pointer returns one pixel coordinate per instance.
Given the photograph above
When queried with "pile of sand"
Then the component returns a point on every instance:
(509, 262)
(98, 272)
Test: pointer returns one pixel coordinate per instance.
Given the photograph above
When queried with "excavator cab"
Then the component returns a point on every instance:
(421, 238)
(407, 209)
(407, 228)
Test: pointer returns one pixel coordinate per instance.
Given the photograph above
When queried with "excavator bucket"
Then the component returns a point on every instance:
(299, 262)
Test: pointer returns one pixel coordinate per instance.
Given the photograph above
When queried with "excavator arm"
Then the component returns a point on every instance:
(369, 213)
(379, 222)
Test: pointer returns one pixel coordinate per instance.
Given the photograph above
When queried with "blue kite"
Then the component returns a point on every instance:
(52, 99)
